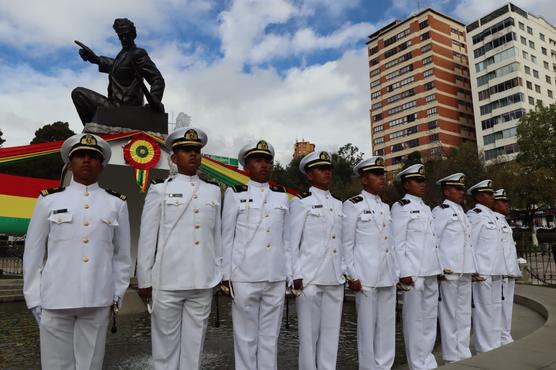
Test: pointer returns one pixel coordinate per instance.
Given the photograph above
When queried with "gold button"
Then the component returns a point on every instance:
(85, 259)
(86, 206)
(86, 223)
(86, 193)
(385, 238)
(85, 241)
(333, 236)
(196, 210)
(197, 226)
(196, 242)
(334, 251)
(268, 245)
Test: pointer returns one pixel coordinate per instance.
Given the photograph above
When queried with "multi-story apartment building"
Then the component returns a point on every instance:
(513, 68)
(302, 148)
(420, 89)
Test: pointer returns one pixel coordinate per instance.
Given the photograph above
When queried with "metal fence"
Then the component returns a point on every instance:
(540, 268)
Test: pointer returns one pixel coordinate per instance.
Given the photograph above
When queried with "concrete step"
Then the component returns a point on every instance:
(6, 292)
(11, 283)
(12, 298)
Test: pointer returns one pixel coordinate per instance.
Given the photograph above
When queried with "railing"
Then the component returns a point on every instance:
(11, 266)
(540, 268)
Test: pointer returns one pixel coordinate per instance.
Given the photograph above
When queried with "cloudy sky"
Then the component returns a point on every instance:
(242, 69)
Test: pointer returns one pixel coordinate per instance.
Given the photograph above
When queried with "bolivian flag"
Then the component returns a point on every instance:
(18, 196)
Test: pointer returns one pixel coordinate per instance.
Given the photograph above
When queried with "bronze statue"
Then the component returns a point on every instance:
(126, 73)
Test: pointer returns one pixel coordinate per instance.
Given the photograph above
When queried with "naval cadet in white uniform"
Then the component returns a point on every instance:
(372, 267)
(458, 261)
(180, 254)
(502, 210)
(76, 262)
(487, 244)
(416, 246)
(256, 259)
(315, 229)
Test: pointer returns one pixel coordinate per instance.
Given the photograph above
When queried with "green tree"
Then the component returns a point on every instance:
(54, 132)
(49, 166)
(2, 140)
(536, 138)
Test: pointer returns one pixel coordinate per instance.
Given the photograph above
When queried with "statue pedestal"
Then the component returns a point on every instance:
(126, 118)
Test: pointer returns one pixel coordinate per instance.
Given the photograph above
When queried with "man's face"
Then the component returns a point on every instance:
(373, 182)
(415, 187)
(188, 159)
(259, 168)
(455, 194)
(320, 177)
(502, 206)
(86, 166)
(125, 38)
(485, 198)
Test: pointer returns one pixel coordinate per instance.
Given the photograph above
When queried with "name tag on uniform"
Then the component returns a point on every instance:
(415, 211)
(177, 195)
(317, 206)
(56, 211)
(367, 211)
(245, 200)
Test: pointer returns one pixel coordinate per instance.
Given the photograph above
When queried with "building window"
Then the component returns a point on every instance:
(531, 44)
(537, 89)
(529, 85)
(521, 26)
(527, 70)
(430, 98)
(525, 55)
(413, 143)
(543, 51)
(378, 128)
(425, 36)
(533, 59)
(431, 111)
(429, 85)
(432, 125)
(502, 102)
(548, 79)
(546, 66)
(379, 152)
(523, 40)
(376, 106)
(433, 138)
(374, 72)
(550, 93)
(375, 95)
(423, 24)
(427, 73)
(426, 48)
(541, 36)
(427, 60)
(531, 100)
(529, 30)
(535, 73)
(379, 140)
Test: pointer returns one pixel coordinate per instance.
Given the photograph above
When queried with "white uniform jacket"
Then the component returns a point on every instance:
(486, 241)
(368, 242)
(508, 243)
(454, 235)
(314, 233)
(180, 242)
(415, 241)
(77, 249)
(253, 233)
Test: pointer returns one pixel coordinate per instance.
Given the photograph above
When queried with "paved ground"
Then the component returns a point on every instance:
(130, 347)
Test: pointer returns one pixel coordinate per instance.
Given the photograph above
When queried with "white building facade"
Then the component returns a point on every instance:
(512, 63)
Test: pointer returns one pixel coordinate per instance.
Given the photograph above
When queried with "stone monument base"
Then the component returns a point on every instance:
(127, 118)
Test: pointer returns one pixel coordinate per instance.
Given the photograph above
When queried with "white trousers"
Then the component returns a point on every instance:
(419, 313)
(454, 315)
(257, 315)
(319, 314)
(178, 326)
(73, 339)
(487, 314)
(508, 286)
(376, 327)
